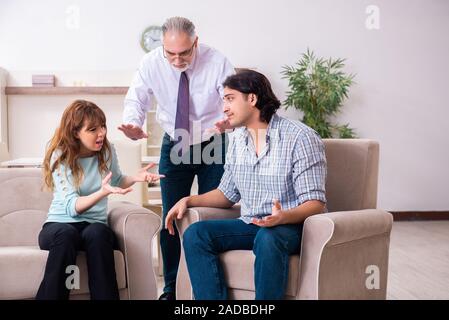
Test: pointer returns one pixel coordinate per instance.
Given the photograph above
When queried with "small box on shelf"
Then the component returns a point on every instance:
(43, 80)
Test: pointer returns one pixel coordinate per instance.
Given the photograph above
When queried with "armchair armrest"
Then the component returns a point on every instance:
(195, 214)
(339, 252)
(135, 227)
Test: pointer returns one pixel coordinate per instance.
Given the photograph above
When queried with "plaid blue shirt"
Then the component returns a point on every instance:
(291, 168)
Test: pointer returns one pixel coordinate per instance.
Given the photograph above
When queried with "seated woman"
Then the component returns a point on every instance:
(81, 168)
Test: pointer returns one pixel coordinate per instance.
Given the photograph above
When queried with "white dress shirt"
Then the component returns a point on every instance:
(157, 79)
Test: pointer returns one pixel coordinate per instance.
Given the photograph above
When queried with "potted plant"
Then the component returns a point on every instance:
(318, 88)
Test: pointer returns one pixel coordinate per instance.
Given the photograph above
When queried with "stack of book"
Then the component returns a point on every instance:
(43, 80)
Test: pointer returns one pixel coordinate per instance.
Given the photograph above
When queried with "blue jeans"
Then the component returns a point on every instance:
(176, 185)
(205, 240)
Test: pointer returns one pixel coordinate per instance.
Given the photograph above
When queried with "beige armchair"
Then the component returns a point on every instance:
(344, 253)
(23, 209)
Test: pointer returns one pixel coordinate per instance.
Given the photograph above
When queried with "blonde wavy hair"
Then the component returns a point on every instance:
(68, 146)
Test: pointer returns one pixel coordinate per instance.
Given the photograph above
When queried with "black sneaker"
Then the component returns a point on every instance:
(168, 296)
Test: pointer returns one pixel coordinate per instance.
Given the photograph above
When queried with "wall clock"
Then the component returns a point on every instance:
(151, 38)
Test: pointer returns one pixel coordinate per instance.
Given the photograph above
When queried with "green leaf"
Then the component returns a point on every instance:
(318, 87)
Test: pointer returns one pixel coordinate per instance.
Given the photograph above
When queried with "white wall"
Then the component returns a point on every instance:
(32, 122)
(400, 98)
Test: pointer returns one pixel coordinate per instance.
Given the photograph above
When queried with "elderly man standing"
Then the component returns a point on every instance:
(185, 78)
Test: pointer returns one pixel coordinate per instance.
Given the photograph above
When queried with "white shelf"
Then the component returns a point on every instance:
(155, 202)
(37, 162)
(65, 90)
(148, 159)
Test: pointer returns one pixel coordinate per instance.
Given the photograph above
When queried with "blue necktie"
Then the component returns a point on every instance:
(182, 109)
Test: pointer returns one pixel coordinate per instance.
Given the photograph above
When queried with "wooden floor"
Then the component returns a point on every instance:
(419, 261)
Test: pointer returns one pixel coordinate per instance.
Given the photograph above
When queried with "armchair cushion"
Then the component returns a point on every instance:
(22, 269)
(241, 262)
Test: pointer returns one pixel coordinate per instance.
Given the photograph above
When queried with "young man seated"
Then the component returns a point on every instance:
(276, 168)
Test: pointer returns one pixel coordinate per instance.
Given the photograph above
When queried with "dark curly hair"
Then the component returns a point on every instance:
(250, 81)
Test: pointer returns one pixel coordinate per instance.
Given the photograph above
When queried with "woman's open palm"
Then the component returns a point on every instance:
(106, 186)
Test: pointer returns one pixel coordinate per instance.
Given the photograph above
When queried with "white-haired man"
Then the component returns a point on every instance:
(185, 78)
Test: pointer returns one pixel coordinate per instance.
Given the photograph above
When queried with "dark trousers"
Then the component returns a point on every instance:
(63, 240)
(177, 184)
